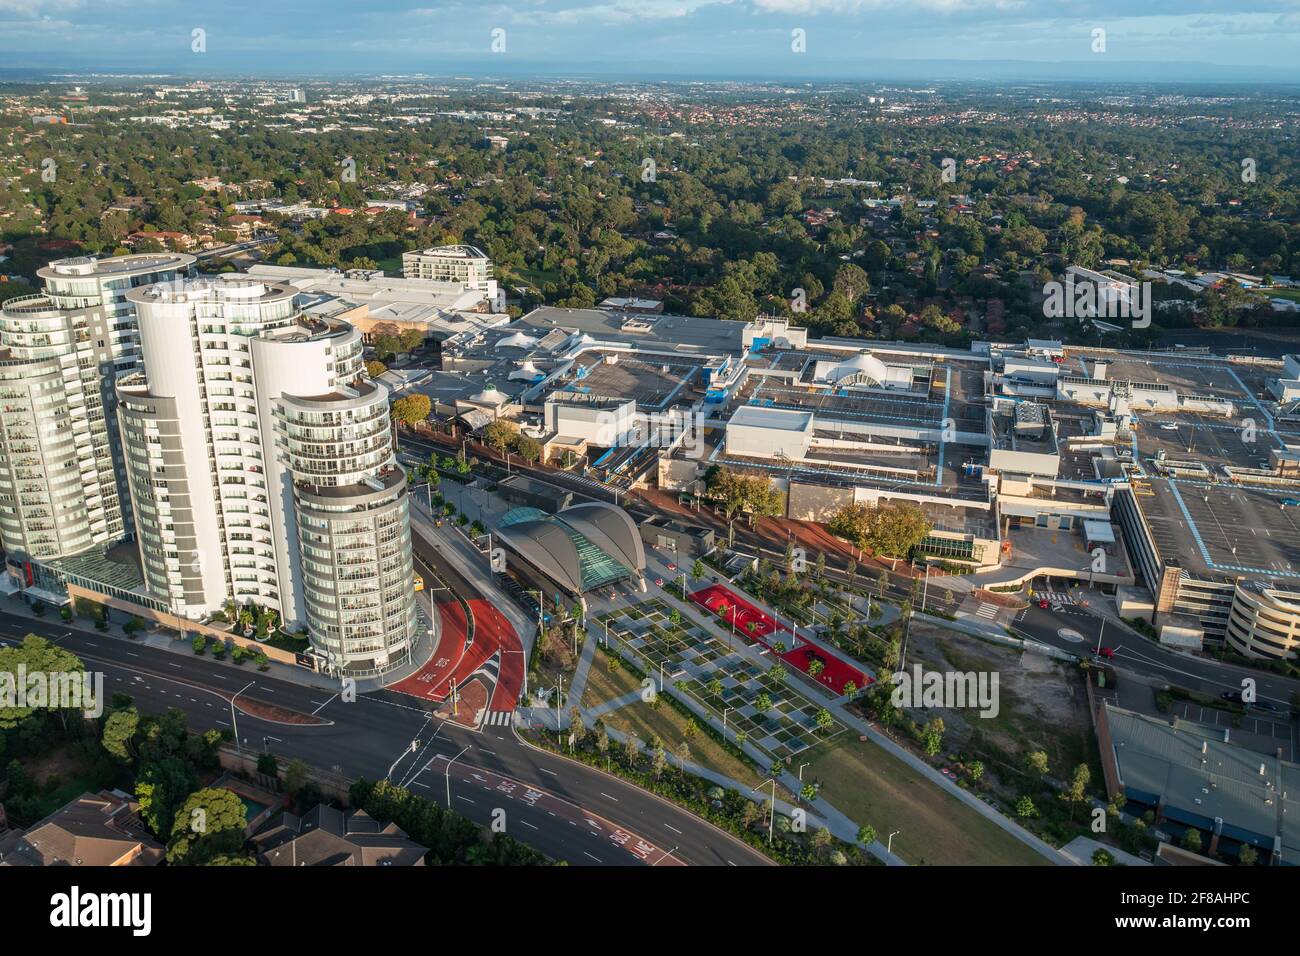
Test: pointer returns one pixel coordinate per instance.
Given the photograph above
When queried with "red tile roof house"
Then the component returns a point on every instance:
(96, 829)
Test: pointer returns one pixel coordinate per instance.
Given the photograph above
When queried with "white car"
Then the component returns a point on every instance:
(1169, 427)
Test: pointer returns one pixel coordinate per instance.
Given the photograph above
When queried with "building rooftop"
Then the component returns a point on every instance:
(115, 266)
(783, 419)
(674, 332)
(101, 829)
(325, 836)
(1200, 779)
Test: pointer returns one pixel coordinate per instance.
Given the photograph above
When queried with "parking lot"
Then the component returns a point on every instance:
(1231, 529)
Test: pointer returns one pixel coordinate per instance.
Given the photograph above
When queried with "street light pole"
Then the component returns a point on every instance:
(771, 820)
(559, 692)
(449, 763)
(889, 846)
(234, 721)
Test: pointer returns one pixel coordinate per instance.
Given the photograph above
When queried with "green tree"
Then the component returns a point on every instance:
(1076, 791)
(295, 777)
(36, 655)
(161, 787)
(119, 733)
(209, 824)
(528, 448)
(499, 435)
(411, 409)
(1036, 762)
(891, 530)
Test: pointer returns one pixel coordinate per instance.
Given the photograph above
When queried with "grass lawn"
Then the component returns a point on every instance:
(533, 277)
(646, 721)
(603, 686)
(935, 828)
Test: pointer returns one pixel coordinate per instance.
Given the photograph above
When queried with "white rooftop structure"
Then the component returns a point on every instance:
(862, 370)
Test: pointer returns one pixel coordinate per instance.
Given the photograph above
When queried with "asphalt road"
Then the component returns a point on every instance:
(1143, 656)
(567, 810)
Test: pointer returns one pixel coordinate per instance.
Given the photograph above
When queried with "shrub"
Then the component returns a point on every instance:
(199, 644)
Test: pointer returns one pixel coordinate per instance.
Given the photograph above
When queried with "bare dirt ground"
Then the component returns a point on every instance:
(1042, 702)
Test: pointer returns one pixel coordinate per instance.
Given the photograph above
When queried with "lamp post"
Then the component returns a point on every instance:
(889, 845)
(559, 693)
(449, 763)
(771, 820)
(234, 721)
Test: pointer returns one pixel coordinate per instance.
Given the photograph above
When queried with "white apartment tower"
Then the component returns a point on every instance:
(465, 266)
(261, 467)
(61, 486)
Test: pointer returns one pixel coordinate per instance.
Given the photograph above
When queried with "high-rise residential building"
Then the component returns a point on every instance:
(61, 487)
(262, 469)
(466, 266)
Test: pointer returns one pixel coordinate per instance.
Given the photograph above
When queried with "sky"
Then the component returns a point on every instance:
(1120, 40)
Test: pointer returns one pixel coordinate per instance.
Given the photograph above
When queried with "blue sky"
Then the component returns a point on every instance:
(994, 39)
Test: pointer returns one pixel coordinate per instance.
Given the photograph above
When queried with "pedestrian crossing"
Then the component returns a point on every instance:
(987, 611)
(498, 718)
(1056, 597)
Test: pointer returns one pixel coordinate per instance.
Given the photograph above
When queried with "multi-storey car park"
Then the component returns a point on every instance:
(60, 460)
(261, 465)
